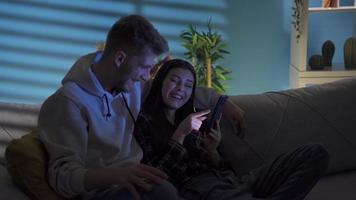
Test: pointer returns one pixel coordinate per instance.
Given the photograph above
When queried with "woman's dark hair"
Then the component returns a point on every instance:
(154, 105)
(154, 101)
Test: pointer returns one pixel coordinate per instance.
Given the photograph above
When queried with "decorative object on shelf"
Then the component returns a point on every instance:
(205, 49)
(316, 62)
(350, 53)
(330, 3)
(297, 10)
(327, 52)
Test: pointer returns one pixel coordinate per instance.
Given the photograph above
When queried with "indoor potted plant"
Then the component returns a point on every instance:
(204, 49)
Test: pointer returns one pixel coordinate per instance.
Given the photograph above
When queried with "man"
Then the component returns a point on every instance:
(87, 124)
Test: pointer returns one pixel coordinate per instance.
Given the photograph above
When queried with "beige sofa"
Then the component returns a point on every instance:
(276, 122)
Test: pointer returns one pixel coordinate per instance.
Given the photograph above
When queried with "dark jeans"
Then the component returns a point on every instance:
(288, 177)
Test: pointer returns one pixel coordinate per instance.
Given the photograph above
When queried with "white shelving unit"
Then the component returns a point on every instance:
(299, 73)
(338, 9)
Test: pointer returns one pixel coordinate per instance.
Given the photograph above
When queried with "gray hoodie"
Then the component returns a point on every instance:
(84, 127)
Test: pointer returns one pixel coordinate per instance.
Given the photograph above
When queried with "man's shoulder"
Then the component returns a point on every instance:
(68, 92)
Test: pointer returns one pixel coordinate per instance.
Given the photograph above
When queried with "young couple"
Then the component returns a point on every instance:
(87, 127)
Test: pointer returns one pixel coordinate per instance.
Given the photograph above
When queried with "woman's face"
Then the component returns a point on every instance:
(177, 88)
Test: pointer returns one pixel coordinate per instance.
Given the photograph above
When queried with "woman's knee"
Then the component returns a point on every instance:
(317, 155)
(318, 151)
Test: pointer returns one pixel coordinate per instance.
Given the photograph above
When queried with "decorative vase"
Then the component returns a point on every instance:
(316, 62)
(350, 53)
(327, 52)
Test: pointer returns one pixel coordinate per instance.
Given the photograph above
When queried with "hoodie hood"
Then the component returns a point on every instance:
(81, 74)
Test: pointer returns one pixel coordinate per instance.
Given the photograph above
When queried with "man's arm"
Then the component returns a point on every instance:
(63, 130)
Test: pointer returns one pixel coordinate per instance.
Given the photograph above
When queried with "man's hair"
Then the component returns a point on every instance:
(134, 32)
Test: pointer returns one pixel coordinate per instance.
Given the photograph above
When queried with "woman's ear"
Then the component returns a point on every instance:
(120, 57)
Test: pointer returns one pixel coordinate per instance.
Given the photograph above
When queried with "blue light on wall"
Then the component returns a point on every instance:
(41, 39)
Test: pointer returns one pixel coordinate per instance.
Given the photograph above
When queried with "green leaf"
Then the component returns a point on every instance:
(194, 39)
(223, 51)
(203, 44)
(216, 85)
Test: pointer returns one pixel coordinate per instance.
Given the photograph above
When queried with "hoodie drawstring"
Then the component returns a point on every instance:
(108, 114)
(128, 108)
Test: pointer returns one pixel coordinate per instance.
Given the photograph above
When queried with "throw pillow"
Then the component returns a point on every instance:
(27, 164)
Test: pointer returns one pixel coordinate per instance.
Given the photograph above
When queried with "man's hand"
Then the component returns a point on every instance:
(140, 175)
(233, 112)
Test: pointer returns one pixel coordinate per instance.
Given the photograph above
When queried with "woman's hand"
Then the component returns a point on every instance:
(189, 124)
(212, 139)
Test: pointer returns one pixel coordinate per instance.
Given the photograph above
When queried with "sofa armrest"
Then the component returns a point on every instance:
(325, 114)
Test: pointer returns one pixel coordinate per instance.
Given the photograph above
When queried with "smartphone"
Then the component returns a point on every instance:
(215, 115)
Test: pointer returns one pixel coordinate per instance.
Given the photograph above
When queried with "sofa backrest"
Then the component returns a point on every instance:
(16, 120)
(324, 114)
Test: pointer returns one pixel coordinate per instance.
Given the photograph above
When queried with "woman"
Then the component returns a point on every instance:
(168, 131)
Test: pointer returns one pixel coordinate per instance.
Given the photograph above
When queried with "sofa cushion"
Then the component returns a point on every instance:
(27, 164)
(324, 114)
(236, 152)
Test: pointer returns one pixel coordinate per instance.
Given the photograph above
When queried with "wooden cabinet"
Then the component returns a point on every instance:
(300, 74)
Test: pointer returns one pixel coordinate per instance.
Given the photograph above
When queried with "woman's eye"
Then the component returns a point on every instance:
(188, 86)
(174, 80)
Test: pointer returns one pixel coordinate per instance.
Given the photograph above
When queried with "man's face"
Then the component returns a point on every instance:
(134, 68)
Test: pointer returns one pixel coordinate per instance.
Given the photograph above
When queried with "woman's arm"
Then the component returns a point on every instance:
(174, 157)
(211, 142)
